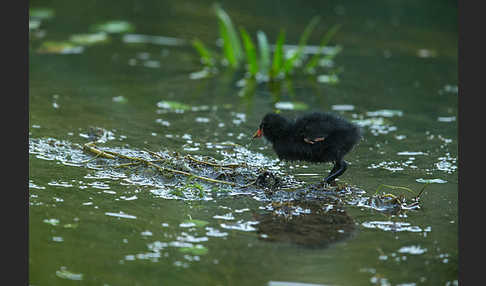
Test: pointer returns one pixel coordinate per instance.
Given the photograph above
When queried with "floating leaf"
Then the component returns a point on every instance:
(156, 40)
(119, 99)
(385, 113)
(173, 105)
(446, 118)
(41, 13)
(429, 181)
(343, 107)
(89, 39)
(379, 121)
(291, 105)
(200, 74)
(59, 48)
(65, 274)
(34, 24)
(425, 53)
(195, 222)
(114, 27)
(195, 250)
(71, 225)
(52, 221)
(329, 79)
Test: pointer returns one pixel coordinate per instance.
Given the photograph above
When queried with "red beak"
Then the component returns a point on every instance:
(258, 133)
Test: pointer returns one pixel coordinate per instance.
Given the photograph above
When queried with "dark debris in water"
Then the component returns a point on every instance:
(268, 181)
(389, 203)
(239, 172)
(311, 215)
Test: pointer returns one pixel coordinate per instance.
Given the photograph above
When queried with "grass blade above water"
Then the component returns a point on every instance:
(231, 42)
(204, 53)
(312, 63)
(250, 52)
(289, 63)
(264, 49)
(277, 62)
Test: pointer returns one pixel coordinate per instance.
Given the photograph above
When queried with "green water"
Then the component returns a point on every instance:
(398, 56)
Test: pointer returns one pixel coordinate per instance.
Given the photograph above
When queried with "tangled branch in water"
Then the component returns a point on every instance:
(91, 147)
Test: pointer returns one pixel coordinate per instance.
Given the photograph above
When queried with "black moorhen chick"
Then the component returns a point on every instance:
(314, 137)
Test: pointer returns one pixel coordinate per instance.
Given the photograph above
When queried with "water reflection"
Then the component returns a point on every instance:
(314, 223)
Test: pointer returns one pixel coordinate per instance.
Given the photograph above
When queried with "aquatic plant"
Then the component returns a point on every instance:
(401, 188)
(257, 58)
(395, 203)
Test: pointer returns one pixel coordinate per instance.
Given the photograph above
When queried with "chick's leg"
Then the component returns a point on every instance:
(339, 168)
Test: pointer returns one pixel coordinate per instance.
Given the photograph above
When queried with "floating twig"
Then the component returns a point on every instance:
(128, 164)
(90, 147)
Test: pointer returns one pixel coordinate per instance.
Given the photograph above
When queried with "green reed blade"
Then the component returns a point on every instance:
(264, 52)
(231, 42)
(277, 62)
(250, 51)
(204, 53)
(325, 40)
(289, 63)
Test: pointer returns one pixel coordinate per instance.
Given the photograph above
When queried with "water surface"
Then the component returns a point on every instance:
(398, 81)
